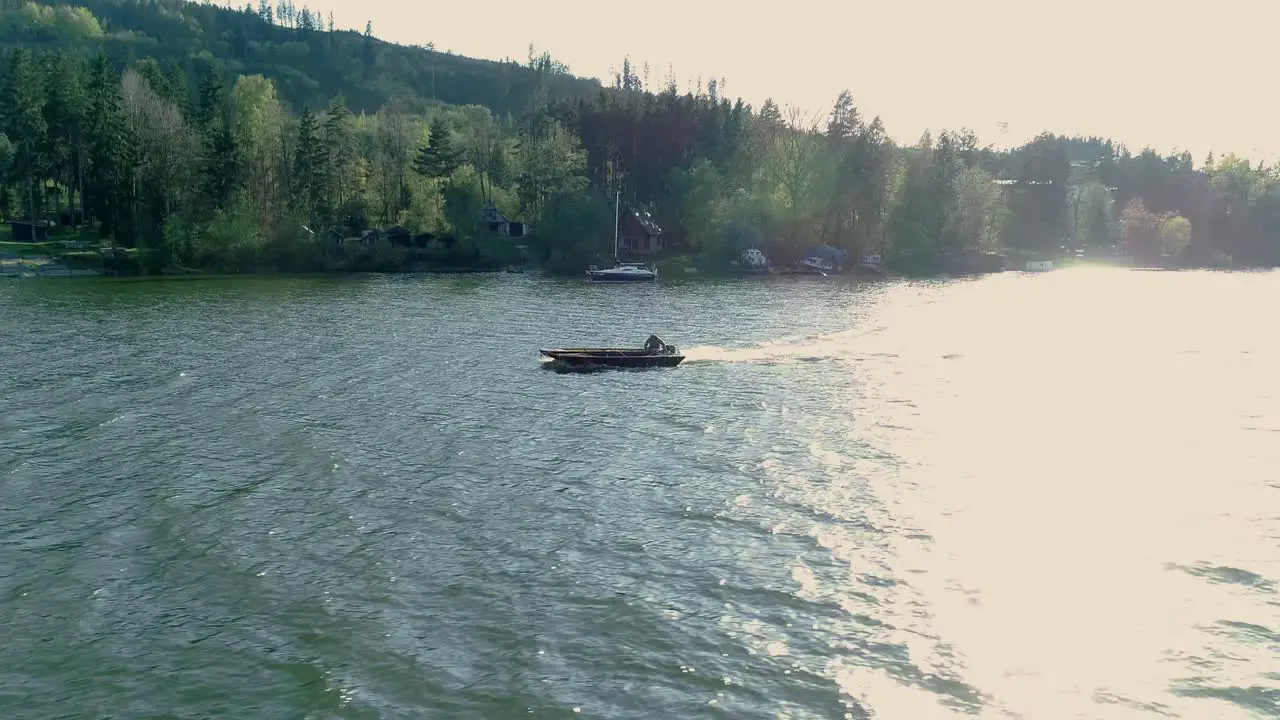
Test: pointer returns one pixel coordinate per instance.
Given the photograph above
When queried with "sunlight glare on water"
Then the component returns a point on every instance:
(1085, 452)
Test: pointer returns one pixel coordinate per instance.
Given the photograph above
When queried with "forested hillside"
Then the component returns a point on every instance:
(249, 139)
(307, 62)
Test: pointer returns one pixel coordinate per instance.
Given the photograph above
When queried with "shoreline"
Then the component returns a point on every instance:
(50, 267)
(681, 279)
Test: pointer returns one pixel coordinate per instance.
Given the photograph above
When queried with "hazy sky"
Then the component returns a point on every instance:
(1193, 75)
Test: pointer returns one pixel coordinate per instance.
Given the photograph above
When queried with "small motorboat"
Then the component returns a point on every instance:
(655, 353)
(811, 266)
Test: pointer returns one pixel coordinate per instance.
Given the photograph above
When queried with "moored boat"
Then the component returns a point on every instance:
(822, 265)
(802, 270)
(655, 353)
(621, 272)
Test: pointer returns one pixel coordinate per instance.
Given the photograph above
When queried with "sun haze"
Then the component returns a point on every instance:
(1139, 71)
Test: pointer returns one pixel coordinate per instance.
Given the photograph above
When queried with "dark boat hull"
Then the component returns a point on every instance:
(586, 361)
(608, 278)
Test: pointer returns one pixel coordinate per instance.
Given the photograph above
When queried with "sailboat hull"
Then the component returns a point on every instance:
(607, 276)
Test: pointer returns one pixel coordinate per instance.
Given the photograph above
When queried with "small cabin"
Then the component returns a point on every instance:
(492, 219)
(26, 231)
(638, 234)
(495, 222)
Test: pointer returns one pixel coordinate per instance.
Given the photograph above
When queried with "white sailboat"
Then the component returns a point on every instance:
(621, 272)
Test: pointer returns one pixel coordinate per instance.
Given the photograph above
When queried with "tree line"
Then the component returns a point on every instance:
(201, 168)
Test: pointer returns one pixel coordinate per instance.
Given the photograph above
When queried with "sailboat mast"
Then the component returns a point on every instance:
(617, 208)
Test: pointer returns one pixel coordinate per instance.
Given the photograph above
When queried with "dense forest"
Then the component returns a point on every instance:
(263, 138)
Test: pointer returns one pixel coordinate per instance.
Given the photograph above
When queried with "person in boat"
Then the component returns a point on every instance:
(654, 344)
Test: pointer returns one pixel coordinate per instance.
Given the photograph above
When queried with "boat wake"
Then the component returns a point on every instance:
(832, 347)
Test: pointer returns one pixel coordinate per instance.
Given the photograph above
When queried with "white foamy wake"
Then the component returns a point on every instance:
(832, 346)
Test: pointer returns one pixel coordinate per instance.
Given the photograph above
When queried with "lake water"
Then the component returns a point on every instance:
(1019, 496)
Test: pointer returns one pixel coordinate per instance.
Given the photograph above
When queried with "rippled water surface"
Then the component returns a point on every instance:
(1022, 496)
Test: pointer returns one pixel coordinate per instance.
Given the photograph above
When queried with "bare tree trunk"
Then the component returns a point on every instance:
(84, 218)
(71, 220)
(136, 210)
(342, 187)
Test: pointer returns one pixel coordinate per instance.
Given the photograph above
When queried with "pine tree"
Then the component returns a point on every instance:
(369, 51)
(223, 166)
(438, 158)
(112, 153)
(770, 114)
(309, 162)
(64, 114)
(844, 120)
(221, 160)
(176, 83)
(209, 106)
(24, 122)
(339, 143)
